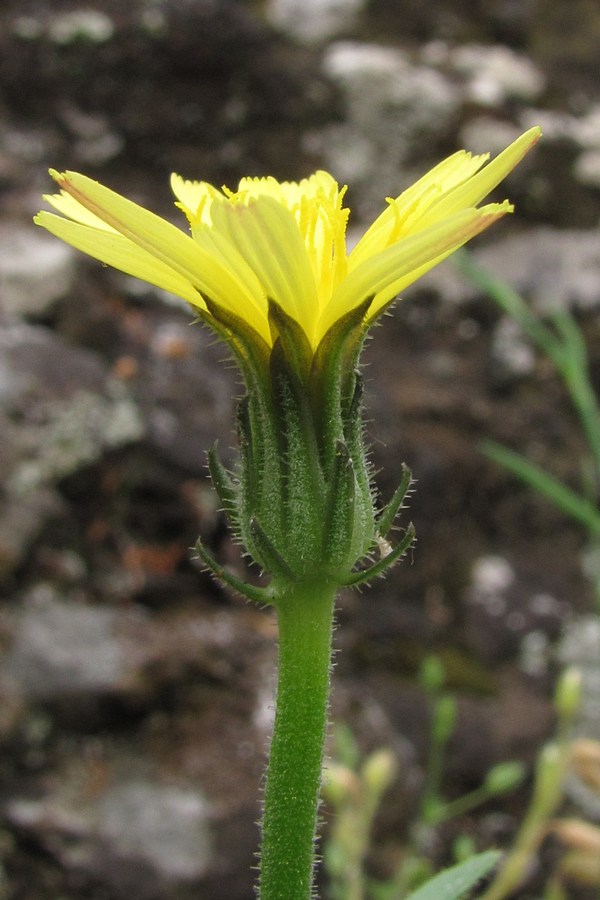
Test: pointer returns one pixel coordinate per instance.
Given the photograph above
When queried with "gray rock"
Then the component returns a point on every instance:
(504, 608)
(580, 647)
(35, 270)
(185, 391)
(246, 73)
(21, 520)
(94, 141)
(165, 827)
(551, 268)
(393, 107)
(489, 134)
(512, 353)
(63, 648)
(314, 21)
(65, 27)
(59, 410)
(164, 811)
(145, 839)
(62, 409)
(587, 168)
(496, 74)
(89, 24)
(581, 132)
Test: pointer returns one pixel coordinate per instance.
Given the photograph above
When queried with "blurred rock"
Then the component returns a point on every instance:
(65, 652)
(63, 408)
(21, 519)
(63, 648)
(60, 411)
(503, 608)
(457, 21)
(565, 40)
(512, 355)
(578, 132)
(392, 107)
(147, 88)
(77, 24)
(496, 74)
(163, 808)
(183, 392)
(486, 133)
(141, 838)
(314, 21)
(587, 168)
(160, 831)
(551, 268)
(580, 647)
(35, 270)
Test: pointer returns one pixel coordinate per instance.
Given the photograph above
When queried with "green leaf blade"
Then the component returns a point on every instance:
(453, 883)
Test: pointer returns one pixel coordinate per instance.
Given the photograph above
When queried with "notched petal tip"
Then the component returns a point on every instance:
(60, 178)
(65, 179)
(497, 210)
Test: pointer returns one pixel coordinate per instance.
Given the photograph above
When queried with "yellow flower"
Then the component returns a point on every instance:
(285, 241)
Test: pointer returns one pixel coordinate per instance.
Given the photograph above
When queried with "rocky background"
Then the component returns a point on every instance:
(135, 696)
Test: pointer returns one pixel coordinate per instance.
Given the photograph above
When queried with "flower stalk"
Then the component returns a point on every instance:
(305, 617)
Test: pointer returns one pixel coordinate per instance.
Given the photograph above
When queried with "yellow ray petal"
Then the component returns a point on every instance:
(285, 240)
(452, 171)
(153, 234)
(268, 238)
(394, 268)
(165, 243)
(456, 183)
(194, 197)
(472, 191)
(72, 209)
(220, 247)
(115, 250)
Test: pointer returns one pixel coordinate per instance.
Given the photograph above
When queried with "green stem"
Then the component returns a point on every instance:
(305, 617)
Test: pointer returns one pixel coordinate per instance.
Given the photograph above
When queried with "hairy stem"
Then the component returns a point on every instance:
(305, 616)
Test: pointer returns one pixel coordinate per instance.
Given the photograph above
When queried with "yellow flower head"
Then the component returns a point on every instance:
(284, 242)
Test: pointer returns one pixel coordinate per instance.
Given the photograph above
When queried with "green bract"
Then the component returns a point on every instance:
(301, 500)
